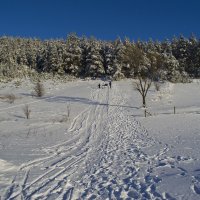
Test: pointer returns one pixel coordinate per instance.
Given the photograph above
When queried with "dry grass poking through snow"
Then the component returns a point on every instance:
(10, 98)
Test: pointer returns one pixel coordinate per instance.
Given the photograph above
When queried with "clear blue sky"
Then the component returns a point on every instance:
(103, 19)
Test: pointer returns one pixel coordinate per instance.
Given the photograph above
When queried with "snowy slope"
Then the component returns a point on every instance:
(107, 150)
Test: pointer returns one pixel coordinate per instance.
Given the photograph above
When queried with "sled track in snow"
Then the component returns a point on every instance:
(102, 159)
(64, 157)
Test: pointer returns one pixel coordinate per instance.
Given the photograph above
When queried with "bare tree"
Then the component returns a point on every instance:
(27, 111)
(142, 86)
(156, 65)
(136, 58)
(133, 57)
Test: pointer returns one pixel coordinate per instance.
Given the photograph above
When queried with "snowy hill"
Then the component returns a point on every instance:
(82, 142)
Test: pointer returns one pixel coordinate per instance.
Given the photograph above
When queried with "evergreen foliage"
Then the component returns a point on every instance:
(174, 60)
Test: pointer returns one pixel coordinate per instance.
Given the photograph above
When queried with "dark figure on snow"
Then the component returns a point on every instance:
(110, 84)
(99, 85)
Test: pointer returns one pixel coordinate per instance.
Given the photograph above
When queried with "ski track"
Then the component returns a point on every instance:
(103, 159)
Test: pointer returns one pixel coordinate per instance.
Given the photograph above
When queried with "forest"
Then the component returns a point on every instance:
(175, 60)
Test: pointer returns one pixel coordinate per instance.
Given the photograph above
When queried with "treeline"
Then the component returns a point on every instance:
(175, 60)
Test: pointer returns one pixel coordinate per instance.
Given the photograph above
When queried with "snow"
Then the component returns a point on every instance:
(5, 168)
(106, 149)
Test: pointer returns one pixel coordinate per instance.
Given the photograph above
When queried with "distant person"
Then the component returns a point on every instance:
(110, 84)
(99, 85)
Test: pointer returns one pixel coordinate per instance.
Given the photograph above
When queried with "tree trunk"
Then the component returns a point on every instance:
(144, 101)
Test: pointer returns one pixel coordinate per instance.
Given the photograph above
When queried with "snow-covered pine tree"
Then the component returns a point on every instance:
(158, 46)
(166, 47)
(179, 50)
(84, 45)
(8, 64)
(55, 57)
(151, 45)
(117, 59)
(42, 58)
(172, 70)
(21, 53)
(192, 60)
(91, 57)
(107, 57)
(31, 53)
(72, 56)
(197, 60)
(61, 48)
(94, 61)
(8, 47)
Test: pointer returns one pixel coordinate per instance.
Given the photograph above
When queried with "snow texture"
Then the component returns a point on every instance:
(105, 148)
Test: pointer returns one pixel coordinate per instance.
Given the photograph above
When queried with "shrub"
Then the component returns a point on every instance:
(39, 89)
(10, 98)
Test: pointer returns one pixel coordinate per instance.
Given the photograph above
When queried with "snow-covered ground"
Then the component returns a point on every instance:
(106, 148)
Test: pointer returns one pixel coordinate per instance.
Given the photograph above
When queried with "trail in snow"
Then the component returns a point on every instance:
(103, 158)
(115, 166)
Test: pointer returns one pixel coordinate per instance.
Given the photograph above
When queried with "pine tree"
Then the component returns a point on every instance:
(107, 57)
(72, 56)
(166, 47)
(192, 61)
(179, 50)
(91, 57)
(94, 61)
(172, 70)
(117, 59)
(42, 59)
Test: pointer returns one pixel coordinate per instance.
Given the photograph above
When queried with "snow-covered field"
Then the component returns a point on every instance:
(106, 148)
